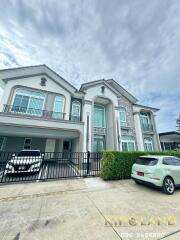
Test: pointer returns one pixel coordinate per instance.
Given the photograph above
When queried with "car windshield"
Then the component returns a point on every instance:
(147, 161)
(28, 154)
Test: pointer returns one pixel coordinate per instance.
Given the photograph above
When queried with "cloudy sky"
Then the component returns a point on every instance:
(136, 42)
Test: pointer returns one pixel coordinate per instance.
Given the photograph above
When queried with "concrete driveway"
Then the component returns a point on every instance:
(83, 208)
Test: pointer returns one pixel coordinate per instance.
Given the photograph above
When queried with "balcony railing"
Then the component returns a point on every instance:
(75, 118)
(147, 127)
(33, 112)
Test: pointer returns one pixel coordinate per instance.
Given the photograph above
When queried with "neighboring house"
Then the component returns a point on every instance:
(41, 110)
(170, 140)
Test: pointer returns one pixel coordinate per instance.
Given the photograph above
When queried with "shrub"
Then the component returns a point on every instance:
(117, 165)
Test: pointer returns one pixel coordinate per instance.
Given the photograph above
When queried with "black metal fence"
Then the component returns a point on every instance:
(32, 166)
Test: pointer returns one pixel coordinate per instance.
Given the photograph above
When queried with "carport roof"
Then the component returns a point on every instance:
(169, 133)
(171, 136)
(19, 131)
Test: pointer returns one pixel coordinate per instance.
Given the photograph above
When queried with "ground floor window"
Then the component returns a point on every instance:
(99, 143)
(148, 144)
(128, 143)
(2, 143)
(27, 143)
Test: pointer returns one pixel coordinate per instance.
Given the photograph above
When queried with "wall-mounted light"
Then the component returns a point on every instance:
(102, 89)
(43, 81)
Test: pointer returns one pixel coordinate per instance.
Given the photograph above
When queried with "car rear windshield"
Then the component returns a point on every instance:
(29, 154)
(147, 161)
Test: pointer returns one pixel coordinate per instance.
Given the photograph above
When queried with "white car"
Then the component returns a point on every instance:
(26, 161)
(159, 171)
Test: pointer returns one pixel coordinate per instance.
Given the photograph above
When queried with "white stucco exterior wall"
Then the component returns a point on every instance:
(34, 82)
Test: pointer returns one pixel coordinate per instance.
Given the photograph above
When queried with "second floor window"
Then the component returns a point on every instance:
(99, 116)
(146, 121)
(58, 107)
(28, 102)
(76, 111)
(122, 117)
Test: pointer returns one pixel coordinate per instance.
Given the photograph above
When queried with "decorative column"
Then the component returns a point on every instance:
(87, 136)
(158, 145)
(138, 129)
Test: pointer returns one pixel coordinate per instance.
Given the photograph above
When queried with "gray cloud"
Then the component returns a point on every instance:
(135, 42)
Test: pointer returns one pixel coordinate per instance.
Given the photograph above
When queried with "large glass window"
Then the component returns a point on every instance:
(122, 116)
(128, 143)
(148, 144)
(99, 143)
(99, 116)
(76, 111)
(28, 101)
(146, 122)
(58, 107)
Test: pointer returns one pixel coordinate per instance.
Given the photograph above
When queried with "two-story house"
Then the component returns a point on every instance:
(41, 110)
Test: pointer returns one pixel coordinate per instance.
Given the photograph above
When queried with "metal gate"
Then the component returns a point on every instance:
(20, 167)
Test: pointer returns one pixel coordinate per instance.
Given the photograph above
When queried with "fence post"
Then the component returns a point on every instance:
(88, 157)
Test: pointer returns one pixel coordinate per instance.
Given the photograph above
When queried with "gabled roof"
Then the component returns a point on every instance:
(122, 90)
(85, 86)
(147, 107)
(23, 72)
(113, 85)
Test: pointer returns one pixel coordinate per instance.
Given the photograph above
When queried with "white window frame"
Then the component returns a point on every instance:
(99, 138)
(148, 141)
(63, 101)
(77, 104)
(145, 115)
(103, 109)
(128, 141)
(28, 145)
(122, 109)
(28, 95)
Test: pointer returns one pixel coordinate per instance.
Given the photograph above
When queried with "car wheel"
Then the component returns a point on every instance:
(137, 182)
(168, 186)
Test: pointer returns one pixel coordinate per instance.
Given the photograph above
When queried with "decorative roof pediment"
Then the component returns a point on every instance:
(111, 84)
(38, 70)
